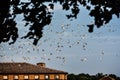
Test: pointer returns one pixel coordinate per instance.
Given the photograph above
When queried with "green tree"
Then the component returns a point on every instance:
(83, 76)
(71, 77)
(99, 75)
(114, 76)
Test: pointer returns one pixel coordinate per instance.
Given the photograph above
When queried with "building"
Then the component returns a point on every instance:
(107, 78)
(27, 71)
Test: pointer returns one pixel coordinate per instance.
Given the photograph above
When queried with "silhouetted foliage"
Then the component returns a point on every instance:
(83, 76)
(37, 15)
(114, 76)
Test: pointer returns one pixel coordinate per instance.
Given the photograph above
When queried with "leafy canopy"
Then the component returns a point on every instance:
(37, 15)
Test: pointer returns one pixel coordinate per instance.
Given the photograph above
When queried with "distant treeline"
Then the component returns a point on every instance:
(83, 76)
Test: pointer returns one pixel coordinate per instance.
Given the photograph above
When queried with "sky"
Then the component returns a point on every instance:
(67, 45)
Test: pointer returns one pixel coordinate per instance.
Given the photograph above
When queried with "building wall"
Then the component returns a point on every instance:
(32, 76)
(0, 77)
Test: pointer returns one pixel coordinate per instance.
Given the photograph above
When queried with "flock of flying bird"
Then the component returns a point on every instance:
(59, 43)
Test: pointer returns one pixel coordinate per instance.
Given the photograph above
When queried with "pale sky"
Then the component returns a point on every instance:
(67, 45)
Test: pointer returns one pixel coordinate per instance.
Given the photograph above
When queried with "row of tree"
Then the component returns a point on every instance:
(83, 76)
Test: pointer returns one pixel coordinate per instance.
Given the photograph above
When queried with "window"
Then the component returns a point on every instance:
(26, 77)
(46, 77)
(5, 77)
(57, 77)
(15, 77)
(36, 77)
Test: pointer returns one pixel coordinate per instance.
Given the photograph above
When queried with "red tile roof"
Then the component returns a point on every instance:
(107, 78)
(25, 68)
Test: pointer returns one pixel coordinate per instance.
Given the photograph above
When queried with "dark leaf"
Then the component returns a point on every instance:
(91, 26)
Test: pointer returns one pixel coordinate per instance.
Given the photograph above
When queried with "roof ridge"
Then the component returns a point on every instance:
(24, 67)
(13, 62)
(17, 63)
(54, 69)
